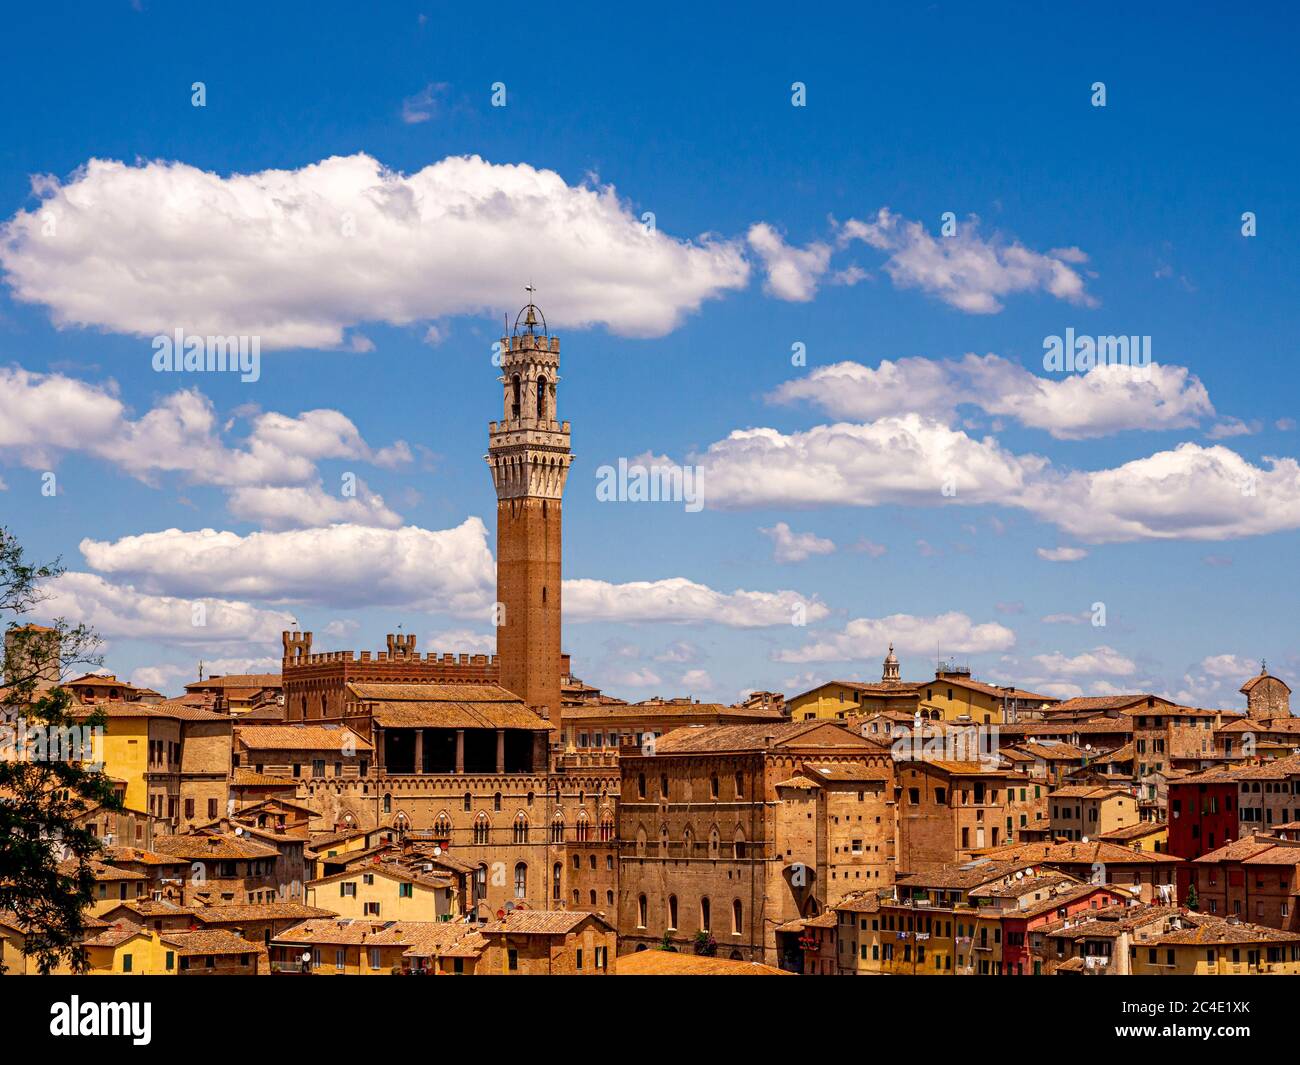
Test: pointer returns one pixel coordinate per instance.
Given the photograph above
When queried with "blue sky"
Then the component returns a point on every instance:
(377, 284)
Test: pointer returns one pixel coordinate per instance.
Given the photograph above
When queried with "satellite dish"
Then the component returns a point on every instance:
(1084, 840)
(437, 851)
(239, 831)
(1020, 874)
(306, 956)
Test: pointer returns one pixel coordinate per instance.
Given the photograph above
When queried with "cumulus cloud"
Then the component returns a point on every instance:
(271, 475)
(867, 638)
(449, 570)
(677, 600)
(1231, 667)
(291, 507)
(790, 546)
(1104, 660)
(694, 680)
(1190, 492)
(298, 257)
(120, 611)
(908, 459)
(792, 273)
(1106, 399)
(966, 270)
(450, 641)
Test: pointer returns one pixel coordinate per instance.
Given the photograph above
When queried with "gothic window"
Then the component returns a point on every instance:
(606, 828)
(514, 405)
(557, 829)
(482, 828)
(583, 827)
(480, 882)
(442, 826)
(521, 827)
(557, 873)
(740, 843)
(521, 880)
(541, 399)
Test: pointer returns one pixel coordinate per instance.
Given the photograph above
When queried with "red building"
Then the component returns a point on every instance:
(1202, 816)
(1018, 925)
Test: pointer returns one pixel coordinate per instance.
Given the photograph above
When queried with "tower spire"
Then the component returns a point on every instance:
(528, 453)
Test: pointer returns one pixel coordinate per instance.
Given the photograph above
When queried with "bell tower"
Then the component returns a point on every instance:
(528, 453)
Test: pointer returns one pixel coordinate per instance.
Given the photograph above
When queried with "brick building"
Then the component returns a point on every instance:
(730, 831)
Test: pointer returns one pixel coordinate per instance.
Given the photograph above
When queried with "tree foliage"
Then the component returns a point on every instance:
(46, 883)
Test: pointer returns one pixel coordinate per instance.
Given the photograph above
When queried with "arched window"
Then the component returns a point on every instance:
(713, 786)
(739, 843)
(469, 800)
(557, 828)
(388, 804)
(583, 828)
(705, 915)
(557, 874)
(521, 880)
(672, 912)
(737, 915)
(514, 404)
(442, 826)
(640, 911)
(480, 883)
(482, 828)
(496, 801)
(606, 828)
(541, 399)
(521, 827)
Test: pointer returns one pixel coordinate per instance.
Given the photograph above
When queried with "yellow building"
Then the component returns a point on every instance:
(348, 947)
(1149, 836)
(126, 949)
(388, 892)
(1213, 946)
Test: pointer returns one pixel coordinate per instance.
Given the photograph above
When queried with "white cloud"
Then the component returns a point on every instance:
(789, 546)
(634, 678)
(1061, 554)
(681, 601)
(965, 270)
(792, 273)
(260, 252)
(908, 459)
(122, 612)
(1103, 659)
(1230, 667)
(453, 641)
(289, 507)
(449, 570)
(694, 680)
(1107, 399)
(682, 652)
(271, 475)
(866, 638)
(424, 104)
(1191, 492)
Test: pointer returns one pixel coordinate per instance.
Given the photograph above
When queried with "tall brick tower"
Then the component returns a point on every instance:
(528, 452)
